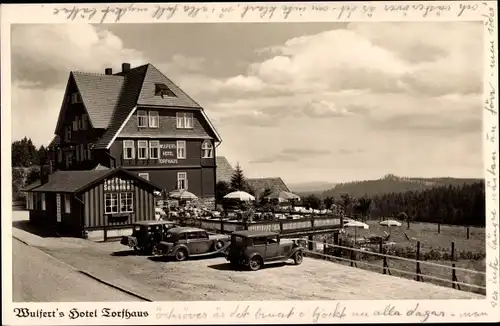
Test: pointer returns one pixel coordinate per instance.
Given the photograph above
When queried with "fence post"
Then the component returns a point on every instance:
(339, 250)
(324, 249)
(439, 227)
(381, 250)
(419, 272)
(467, 233)
(453, 271)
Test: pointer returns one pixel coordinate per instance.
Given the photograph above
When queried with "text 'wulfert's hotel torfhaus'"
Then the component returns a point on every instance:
(137, 119)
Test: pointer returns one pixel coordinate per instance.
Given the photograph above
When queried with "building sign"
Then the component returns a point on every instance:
(58, 205)
(168, 154)
(117, 184)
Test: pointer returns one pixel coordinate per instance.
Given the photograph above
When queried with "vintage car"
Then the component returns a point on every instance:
(256, 248)
(184, 242)
(146, 235)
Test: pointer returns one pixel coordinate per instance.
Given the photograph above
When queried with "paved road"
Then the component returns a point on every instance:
(212, 279)
(39, 277)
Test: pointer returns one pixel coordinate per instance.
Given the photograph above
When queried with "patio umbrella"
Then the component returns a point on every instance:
(182, 194)
(283, 195)
(356, 224)
(240, 195)
(390, 223)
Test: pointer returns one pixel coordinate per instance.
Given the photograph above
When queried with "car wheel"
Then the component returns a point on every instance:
(298, 257)
(155, 251)
(219, 245)
(255, 263)
(181, 254)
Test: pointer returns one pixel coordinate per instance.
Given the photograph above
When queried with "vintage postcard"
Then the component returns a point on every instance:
(237, 163)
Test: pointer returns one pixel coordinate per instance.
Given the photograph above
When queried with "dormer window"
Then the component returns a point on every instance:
(207, 149)
(85, 120)
(76, 98)
(163, 90)
(142, 119)
(184, 120)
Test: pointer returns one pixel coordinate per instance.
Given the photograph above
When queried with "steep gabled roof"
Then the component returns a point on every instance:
(147, 95)
(224, 170)
(110, 100)
(100, 95)
(126, 106)
(54, 142)
(77, 181)
(259, 185)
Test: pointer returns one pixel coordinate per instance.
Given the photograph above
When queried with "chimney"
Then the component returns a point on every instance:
(125, 67)
(108, 71)
(44, 174)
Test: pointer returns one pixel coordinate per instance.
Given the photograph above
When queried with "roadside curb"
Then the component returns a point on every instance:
(116, 287)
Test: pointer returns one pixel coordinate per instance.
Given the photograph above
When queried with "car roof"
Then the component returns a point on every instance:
(254, 234)
(182, 229)
(152, 222)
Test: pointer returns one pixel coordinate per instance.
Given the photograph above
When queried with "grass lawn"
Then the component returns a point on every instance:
(430, 239)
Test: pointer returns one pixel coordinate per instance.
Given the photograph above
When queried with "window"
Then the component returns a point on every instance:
(69, 159)
(59, 155)
(68, 133)
(44, 204)
(67, 204)
(75, 124)
(126, 202)
(163, 90)
(182, 181)
(89, 151)
(142, 119)
(29, 200)
(154, 119)
(184, 120)
(181, 149)
(128, 149)
(80, 122)
(76, 98)
(144, 176)
(83, 152)
(207, 150)
(111, 203)
(85, 121)
(142, 149)
(77, 153)
(154, 149)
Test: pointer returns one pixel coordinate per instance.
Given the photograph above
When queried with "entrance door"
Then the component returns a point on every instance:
(58, 205)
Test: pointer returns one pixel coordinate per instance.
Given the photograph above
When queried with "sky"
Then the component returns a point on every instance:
(307, 102)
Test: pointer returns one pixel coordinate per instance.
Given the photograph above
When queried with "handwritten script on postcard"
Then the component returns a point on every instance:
(245, 313)
(330, 11)
(490, 106)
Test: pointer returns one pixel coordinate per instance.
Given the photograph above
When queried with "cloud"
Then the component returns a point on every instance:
(292, 155)
(46, 53)
(323, 109)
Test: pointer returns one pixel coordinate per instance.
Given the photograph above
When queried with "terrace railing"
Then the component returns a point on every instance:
(284, 226)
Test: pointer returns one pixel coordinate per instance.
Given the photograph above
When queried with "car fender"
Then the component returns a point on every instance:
(177, 247)
(252, 255)
(294, 251)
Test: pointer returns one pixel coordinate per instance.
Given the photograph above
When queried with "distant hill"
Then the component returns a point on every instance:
(391, 183)
(315, 187)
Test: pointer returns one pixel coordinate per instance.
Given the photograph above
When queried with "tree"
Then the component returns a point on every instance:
(238, 181)
(363, 207)
(222, 188)
(329, 201)
(263, 200)
(312, 201)
(24, 153)
(346, 203)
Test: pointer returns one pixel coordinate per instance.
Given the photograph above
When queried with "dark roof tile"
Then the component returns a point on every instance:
(259, 185)
(224, 170)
